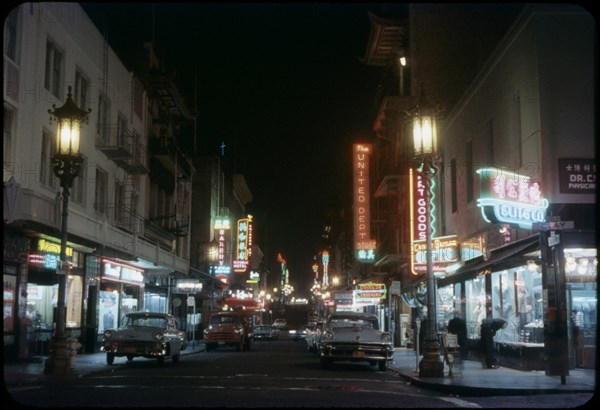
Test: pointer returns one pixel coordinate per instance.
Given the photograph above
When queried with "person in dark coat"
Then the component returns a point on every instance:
(489, 327)
(458, 326)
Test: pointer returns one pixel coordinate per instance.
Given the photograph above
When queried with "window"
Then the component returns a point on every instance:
(48, 150)
(7, 143)
(10, 35)
(121, 130)
(453, 185)
(470, 173)
(101, 191)
(82, 90)
(54, 67)
(119, 202)
(102, 126)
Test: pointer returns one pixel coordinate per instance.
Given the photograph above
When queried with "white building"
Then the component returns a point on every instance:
(117, 238)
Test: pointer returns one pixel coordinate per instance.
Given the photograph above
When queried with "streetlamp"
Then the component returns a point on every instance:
(423, 120)
(66, 166)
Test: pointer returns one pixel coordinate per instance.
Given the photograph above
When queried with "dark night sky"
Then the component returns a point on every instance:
(282, 85)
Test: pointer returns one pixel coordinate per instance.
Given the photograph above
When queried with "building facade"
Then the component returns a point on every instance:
(122, 256)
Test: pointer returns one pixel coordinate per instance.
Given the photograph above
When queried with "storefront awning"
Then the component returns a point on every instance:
(500, 258)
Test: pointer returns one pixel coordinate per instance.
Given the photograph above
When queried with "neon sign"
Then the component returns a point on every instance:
(510, 198)
(243, 244)
(363, 244)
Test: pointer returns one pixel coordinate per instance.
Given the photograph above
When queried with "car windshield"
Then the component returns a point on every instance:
(144, 321)
(351, 322)
(224, 319)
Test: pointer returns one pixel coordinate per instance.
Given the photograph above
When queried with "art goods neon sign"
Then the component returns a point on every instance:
(510, 198)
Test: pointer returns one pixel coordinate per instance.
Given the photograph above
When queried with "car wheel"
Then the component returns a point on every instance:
(129, 357)
(325, 362)
(160, 359)
(247, 345)
(110, 358)
(238, 347)
(209, 347)
(383, 365)
(175, 357)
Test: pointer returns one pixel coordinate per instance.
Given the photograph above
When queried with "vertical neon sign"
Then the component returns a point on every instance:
(363, 244)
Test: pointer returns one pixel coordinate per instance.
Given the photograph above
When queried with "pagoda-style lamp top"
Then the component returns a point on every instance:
(69, 118)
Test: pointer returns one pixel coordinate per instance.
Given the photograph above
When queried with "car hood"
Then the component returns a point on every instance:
(140, 333)
(351, 334)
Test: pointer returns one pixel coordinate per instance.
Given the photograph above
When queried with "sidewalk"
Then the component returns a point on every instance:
(475, 380)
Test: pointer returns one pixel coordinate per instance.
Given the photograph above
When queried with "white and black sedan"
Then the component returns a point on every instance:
(144, 334)
(352, 336)
(265, 332)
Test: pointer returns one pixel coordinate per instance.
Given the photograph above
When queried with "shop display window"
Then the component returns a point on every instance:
(517, 298)
(108, 310)
(10, 285)
(475, 301)
(581, 266)
(445, 305)
(155, 302)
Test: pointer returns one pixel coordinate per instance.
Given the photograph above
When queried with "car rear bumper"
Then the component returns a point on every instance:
(357, 352)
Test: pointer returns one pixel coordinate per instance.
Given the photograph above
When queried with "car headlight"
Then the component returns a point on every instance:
(108, 334)
(158, 335)
(328, 335)
(292, 332)
(386, 338)
(238, 330)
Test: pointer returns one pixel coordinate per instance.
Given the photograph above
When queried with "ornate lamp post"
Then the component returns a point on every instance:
(66, 165)
(423, 120)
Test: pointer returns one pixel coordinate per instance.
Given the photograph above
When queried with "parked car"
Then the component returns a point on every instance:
(264, 332)
(145, 334)
(352, 336)
(232, 328)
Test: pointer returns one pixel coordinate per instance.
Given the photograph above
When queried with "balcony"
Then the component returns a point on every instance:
(124, 148)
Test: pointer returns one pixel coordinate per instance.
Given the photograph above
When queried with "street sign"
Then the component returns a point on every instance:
(553, 225)
(561, 225)
(553, 240)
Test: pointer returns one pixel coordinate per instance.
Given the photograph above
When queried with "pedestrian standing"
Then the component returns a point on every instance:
(489, 327)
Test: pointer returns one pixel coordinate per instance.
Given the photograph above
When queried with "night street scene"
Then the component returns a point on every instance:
(299, 205)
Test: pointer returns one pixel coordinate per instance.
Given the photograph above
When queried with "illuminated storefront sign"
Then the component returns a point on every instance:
(369, 293)
(418, 206)
(364, 246)
(577, 175)
(188, 286)
(243, 244)
(121, 273)
(253, 277)
(444, 251)
(49, 255)
(510, 198)
(222, 225)
(325, 259)
(472, 247)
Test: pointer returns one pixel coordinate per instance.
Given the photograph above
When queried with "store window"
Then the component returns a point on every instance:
(517, 298)
(581, 266)
(475, 300)
(9, 297)
(445, 305)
